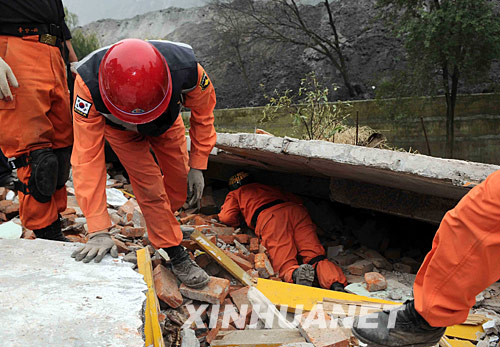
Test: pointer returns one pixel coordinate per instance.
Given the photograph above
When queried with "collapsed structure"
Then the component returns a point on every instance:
(347, 189)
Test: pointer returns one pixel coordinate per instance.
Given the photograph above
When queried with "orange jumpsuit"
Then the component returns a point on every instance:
(286, 230)
(464, 259)
(158, 195)
(38, 117)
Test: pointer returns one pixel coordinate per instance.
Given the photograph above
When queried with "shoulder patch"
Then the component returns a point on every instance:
(82, 107)
(204, 82)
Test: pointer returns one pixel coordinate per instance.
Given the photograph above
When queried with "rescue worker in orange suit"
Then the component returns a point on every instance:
(35, 116)
(285, 228)
(463, 261)
(130, 94)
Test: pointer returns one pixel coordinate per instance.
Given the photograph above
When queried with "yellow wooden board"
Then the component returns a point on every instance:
(466, 332)
(152, 330)
(220, 257)
(457, 343)
(292, 295)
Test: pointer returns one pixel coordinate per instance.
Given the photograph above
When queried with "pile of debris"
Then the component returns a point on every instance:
(235, 259)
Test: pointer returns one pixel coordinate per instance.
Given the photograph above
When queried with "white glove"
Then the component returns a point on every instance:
(196, 183)
(98, 245)
(72, 67)
(6, 77)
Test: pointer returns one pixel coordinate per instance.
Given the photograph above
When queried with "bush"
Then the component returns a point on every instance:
(309, 109)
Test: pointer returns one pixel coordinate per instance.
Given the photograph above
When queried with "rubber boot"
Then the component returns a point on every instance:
(304, 275)
(402, 326)
(186, 270)
(52, 232)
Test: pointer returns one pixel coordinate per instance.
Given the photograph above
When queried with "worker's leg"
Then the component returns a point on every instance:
(309, 247)
(30, 117)
(171, 151)
(462, 263)
(145, 176)
(276, 233)
(464, 259)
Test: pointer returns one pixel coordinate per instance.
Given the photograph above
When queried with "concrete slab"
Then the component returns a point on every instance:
(447, 178)
(48, 299)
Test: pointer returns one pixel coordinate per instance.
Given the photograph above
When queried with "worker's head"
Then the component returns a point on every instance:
(134, 81)
(239, 179)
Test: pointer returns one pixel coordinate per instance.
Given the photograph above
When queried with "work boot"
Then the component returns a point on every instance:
(186, 270)
(406, 327)
(304, 275)
(338, 287)
(52, 232)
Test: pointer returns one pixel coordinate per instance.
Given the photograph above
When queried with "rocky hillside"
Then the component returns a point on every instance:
(371, 50)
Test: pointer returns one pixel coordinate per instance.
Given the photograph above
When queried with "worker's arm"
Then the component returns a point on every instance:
(201, 101)
(89, 167)
(230, 210)
(72, 58)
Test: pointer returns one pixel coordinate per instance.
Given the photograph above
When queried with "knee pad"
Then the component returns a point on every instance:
(44, 171)
(63, 159)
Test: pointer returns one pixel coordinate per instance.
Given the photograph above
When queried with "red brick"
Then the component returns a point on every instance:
(276, 279)
(327, 337)
(188, 218)
(166, 286)
(375, 281)
(263, 265)
(223, 230)
(254, 245)
(244, 264)
(9, 208)
(3, 193)
(122, 247)
(203, 260)
(199, 220)
(240, 297)
(229, 239)
(190, 245)
(128, 207)
(243, 238)
(214, 292)
(360, 267)
(344, 260)
(250, 257)
(3, 217)
(253, 273)
(132, 232)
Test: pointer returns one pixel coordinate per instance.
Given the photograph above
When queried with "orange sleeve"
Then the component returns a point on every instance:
(89, 167)
(201, 101)
(230, 210)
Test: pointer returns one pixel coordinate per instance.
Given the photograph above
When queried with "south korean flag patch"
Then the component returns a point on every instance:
(82, 107)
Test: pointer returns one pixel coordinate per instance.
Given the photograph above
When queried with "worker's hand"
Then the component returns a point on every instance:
(6, 77)
(196, 183)
(72, 67)
(98, 245)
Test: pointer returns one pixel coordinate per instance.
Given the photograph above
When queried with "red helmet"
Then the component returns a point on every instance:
(134, 81)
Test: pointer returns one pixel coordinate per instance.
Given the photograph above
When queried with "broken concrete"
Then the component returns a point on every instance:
(48, 299)
(421, 178)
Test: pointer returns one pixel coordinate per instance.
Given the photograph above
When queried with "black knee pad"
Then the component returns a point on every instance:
(63, 159)
(44, 173)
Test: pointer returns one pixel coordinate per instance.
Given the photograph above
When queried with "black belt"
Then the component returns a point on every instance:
(262, 208)
(50, 34)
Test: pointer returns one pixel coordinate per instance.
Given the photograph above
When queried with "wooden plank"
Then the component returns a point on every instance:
(293, 295)
(220, 257)
(257, 338)
(446, 342)
(465, 332)
(152, 330)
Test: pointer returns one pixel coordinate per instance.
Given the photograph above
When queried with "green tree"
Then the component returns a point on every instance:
(83, 43)
(447, 41)
(310, 109)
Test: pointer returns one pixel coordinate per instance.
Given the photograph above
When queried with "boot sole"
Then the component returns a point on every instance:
(199, 285)
(373, 344)
(306, 276)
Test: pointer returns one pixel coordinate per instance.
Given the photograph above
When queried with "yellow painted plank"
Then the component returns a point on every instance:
(292, 295)
(152, 330)
(220, 257)
(459, 343)
(466, 332)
